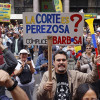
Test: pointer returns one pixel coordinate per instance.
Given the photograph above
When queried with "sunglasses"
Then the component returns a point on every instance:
(61, 59)
(88, 48)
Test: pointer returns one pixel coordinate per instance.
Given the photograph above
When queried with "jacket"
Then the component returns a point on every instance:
(8, 66)
(20, 44)
(85, 59)
(75, 78)
(10, 62)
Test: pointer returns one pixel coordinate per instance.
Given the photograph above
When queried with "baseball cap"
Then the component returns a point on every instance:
(23, 51)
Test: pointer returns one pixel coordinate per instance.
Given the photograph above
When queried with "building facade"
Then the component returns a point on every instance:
(20, 6)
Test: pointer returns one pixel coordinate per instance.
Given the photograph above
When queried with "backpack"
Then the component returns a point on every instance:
(26, 75)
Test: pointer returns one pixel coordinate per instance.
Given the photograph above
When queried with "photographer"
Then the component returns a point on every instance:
(24, 72)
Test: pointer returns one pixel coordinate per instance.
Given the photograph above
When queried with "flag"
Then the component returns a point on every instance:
(58, 5)
(90, 23)
(78, 51)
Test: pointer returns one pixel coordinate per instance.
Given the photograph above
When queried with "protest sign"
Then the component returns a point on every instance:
(5, 11)
(66, 28)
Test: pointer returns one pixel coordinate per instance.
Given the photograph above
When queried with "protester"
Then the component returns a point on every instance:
(9, 65)
(42, 61)
(16, 92)
(17, 44)
(98, 34)
(31, 50)
(86, 92)
(64, 82)
(85, 63)
(24, 72)
(71, 57)
(89, 41)
(5, 38)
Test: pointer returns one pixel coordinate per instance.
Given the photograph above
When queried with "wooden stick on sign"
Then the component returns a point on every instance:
(49, 39)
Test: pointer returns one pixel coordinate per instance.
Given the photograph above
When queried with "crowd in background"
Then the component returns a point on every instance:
(12, 36)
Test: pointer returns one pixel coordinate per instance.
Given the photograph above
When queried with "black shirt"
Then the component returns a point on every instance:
(62, 90)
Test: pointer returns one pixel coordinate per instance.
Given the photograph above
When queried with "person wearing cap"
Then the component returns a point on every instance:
(17, 44)
(28, 87)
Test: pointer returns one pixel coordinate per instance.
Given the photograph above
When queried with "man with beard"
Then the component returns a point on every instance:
(64, 82)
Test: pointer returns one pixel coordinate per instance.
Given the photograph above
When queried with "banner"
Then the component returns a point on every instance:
(66, 28)
(58, 5)
(5, 11)
(90, 15)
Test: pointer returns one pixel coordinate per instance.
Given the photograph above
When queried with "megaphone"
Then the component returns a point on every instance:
(90, 24)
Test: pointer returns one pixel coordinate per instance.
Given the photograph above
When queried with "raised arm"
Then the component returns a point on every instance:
(16, 92)
(10, 60)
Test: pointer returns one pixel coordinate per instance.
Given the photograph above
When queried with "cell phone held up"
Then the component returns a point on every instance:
(28, 58)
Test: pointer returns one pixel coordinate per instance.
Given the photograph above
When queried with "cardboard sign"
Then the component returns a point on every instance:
(66, 28)
(5, 11)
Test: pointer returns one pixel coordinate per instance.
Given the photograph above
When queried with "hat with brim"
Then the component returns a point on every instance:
(23, 51)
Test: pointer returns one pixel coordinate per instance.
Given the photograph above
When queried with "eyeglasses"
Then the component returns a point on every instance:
(88, 48)
(61, 59)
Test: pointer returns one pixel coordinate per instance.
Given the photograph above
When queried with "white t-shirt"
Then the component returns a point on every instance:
(18, 67)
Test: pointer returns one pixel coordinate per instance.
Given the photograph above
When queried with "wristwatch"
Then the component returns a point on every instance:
(13, 87)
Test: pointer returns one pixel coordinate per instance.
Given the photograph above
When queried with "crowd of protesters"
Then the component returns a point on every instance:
(67, 71)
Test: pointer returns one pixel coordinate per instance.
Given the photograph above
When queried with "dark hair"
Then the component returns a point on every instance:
(60, 52)
(82, 89)
(88, 45)
(44, 47)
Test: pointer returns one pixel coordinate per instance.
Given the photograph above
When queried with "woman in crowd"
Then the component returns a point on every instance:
(86, 92)
(85, 64)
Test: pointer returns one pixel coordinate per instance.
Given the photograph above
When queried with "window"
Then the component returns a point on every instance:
(28, 3)
(46, 6)
(77, 5)
(23, 6)
(4, 1)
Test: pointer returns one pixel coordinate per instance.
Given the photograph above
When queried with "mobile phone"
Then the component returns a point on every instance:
(29, 58)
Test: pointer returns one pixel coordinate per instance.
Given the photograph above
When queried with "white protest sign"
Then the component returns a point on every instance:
(66, 28)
